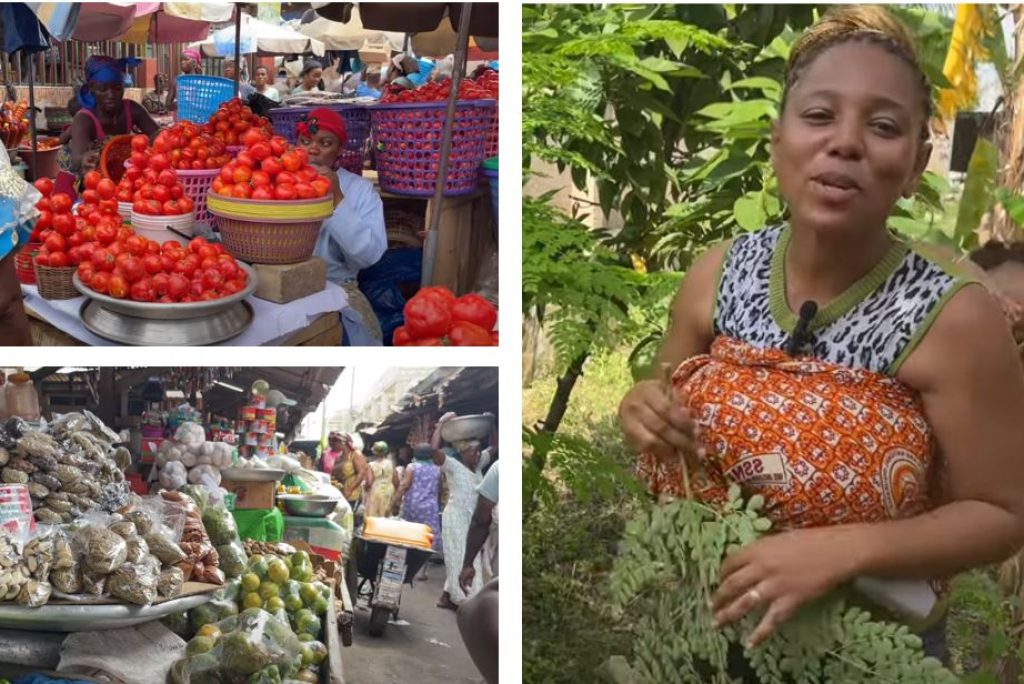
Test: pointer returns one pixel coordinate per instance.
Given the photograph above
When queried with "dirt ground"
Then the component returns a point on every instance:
(423, 647)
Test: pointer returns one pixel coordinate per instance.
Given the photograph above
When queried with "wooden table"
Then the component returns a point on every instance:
(324, 331)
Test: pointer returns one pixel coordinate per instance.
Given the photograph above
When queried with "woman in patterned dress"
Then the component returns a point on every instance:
(385, 482)
(884, 432)
(419, 495)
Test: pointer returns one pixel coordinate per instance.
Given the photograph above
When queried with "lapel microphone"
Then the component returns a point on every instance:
(800, 336)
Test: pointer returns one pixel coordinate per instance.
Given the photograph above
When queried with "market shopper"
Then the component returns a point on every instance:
(418, 498)
(350, 469)
(482, 538)
(154, 101)
(245, 89)
(261, 79)
(309, 77)
(463, 476)
(478, 625)
(895, 334)
(190, 64)
(354, 237)
(332, 453)
(385, 482)
(104, 112)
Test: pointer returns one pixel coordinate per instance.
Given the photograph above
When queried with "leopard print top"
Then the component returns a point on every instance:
(873, 326)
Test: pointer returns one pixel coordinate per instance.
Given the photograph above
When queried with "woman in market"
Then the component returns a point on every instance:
(895, 333)
(154, 100)
(385, 482)
(191, 64)
(261, 80)
(418, 498)
(309, 77)
(354, 237)
(104, 112)
(351, 470)
(464, 475)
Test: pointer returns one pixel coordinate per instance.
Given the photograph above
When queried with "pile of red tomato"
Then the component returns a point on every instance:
(434, 317)
(484, 88)
(269, 169)
(151, 185)
(190, 147)
(62, 234)
(133, 267)
(231, 122)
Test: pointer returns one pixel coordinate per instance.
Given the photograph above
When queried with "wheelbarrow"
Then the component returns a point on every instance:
(385, 567)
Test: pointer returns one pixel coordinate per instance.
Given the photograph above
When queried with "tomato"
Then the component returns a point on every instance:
(42, 258)
(243, 158)
(426, 317)
(44, 204)
(186, 205)
(272, 165)
(241, 190)
(303, 156)
(171, 208)
(260, 151)
(152, 248)
(108, 207)
(321, 186)
(45, 220)
(286, 177)
(401, 337)
(161, 193)
(212, 279)
(466, 334)
(473, 308)
(100, 281)
(177, 286)
(136, 245)
(159, 162)
(58, 260)
(308, 174)
(106, 188)
(44, 186)
(85, 272)
(61, 203)
(278, 145)
(291, 161)
(91, 197)
(117, 287)
(427, 342)
(76, 239)
(191, 264)
(117, 249)
(221, 251)
(139, 160)
(75, 256)
(242, 174)
(55, 243)
(167, 263)
(217, 186)
(304, 191)
(284, 191)
(252, 137)
(160, 282)
(139, 143)
(154, 207)
(442, 293)
(228, 269)
(260, 177)
(230, 287)
(176, 192)
(263, 192)
(139, 206)
(168, 178)
(142, 291)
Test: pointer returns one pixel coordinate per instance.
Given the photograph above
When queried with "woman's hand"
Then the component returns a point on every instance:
(653, 423)
(780, 573)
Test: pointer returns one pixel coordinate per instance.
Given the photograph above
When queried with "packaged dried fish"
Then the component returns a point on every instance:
(94, 584)
(143, 521)
(38, 556)
(102, 550)
(163, 548)
(137, 549)
(67, 580)
(134, 583)
(34, 594)
(124, 529)
(12, 476)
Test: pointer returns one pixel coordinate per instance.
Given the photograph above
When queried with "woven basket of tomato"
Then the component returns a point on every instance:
(270, 203)
(408, 127)
(434, 317)
(24, 263)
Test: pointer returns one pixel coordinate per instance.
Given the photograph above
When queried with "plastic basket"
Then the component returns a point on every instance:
(200, 96)
(233, 149)
(156, 227)
(24, 263)
(196, 185)
(492, 137)
(270, 232)
(407, 139)
(357, 125)
(56, 283)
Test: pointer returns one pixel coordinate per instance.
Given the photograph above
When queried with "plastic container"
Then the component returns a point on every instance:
(196, 185)
(24, 263)
(270, 231)
(407, 142)
(22, 400)
(125, 210)
(357, 125)
(46, 162)
(490, 171)
(156, 227)
(200, 96)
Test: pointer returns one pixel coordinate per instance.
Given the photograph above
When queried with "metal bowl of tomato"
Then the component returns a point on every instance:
(175, 311)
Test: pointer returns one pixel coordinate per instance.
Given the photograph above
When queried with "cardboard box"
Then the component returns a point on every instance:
(287, 282)
(375, 53)
(251, 495)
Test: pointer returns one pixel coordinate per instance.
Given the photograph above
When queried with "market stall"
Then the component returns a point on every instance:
(129, 538)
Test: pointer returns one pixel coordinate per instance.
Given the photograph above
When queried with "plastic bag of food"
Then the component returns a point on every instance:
(233, 560)
(39, 553)
(101, 550)
(201, 563)
(138, 550)
(199, 494)
(203, 668)
(178, 623)
(142, 519)
(34, 594)
(170, 583)
(161, 546)
(258, 641)
(134, 583)
(190, 435)
(94, 584)
(205, 475)
(67, 580)
(124, 529)
(173, 475)
(220, 526)
(229, 592)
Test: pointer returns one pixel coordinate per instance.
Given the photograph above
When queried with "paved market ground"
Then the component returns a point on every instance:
(428, 650)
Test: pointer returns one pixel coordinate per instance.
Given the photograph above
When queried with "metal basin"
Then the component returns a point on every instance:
(151, 310)
(126, 329)
(467, 427)
(252, 474)
(309, 506)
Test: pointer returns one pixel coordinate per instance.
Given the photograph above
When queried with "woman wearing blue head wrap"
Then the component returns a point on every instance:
(104, 112)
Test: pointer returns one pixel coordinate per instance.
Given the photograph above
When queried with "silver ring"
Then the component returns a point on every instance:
(755, 596)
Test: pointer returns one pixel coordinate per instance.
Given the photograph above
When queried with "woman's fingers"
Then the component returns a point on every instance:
(778, 612)
(735, 585)
(749, 600)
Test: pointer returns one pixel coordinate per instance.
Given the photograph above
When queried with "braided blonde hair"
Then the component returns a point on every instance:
(860, 23)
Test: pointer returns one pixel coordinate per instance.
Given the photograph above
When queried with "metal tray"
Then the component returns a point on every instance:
(69, 618)
(149, 310)
(252, 474)
(126, 329)
(467, 427)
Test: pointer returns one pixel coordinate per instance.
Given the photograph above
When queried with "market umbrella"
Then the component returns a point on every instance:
(177, 22)
(350, 35)
(259, 37)
(477, 18)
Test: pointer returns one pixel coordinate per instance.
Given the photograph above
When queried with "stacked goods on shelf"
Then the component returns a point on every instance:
(257, 427)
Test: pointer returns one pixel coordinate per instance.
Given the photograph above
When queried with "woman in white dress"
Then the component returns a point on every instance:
(463, 478)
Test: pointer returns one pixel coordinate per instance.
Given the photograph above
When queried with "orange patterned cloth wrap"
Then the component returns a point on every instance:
(823, 444)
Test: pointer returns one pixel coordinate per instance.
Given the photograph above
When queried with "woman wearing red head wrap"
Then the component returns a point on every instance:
(354, 237)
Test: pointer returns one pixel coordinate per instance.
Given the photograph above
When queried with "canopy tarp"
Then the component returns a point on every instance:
(261, 38)
(414, 17)
(178, 22)
(350, 35)
(141, 22)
